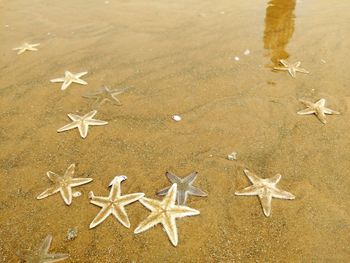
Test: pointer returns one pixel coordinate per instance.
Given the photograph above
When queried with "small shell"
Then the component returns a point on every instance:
(247, 52)
(76, 194)
(237, 58)
(176, 117)
(232, 156)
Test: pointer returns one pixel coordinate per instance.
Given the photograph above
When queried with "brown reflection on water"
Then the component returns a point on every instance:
(279, 28)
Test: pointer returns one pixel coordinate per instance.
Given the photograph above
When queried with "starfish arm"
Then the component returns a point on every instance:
(291, 72)
(70, 171)
(74, 117)
(130, 198)
(150, 204)
(169, 225)
(274, 180)
(48, 192)
(45, 245)
(297, 64)
(265, 200)
(190, 179)
(32, 48)
(115, 100)
(252, 177)
(307, 103)
(152, 220)
(302, 70)
(99, 200)
(277, 193)
(120, 213)
(321, 116)
(284, 62)
(115, 191)
(250, 190)
(21, 51)
(306, 111)
(57, 80)
(95, 122)
(53, 177)
(321, 103)
(80, 181)
(25, 255)
(181, 197)
(330, 111)
(182, 211)
(35, 45)
(170, 198)
(101, 216)
(66, 193)
(66, 84)
(80, 81)
(163, 191)
(79, 75)
(51, 258)
(196, 191)
(280, 68)
(172, 177)
(68, 127)
(83, 129)
(90, 114)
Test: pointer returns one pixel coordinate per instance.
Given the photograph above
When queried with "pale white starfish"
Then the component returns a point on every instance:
(82, 123)
(105, 94)
(114, 204)
(265, 189)
(184, 187)
(25, 47)
(41, 253)
(291, 68)
(70, 78)
(165, 212)
(64, 184)
(318, 108)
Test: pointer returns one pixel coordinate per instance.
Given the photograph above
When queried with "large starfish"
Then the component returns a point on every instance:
(25, 47)
(69, 78)
(82, 123)
(318, 108)
(184, 187)
(114, 203)
(291, 68)
(41, 255)
(64, 184)
(265, 189)
(105, 94)
(165, 212)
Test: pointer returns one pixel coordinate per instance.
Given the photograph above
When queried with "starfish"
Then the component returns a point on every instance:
(114, 203)
(318, 108)
(64, 184)
(184, 187)
(265, 189)
(25, 47)
(291, 68)
(41, 255)
(165, 212)
(69, 78)
(105, 94)
(82, 123)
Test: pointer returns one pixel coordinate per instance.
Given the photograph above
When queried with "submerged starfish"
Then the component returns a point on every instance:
(318, 108)
(41, 255)
(114, 203)
(25, 47)
(291, 68)
(165, 212)
(105, 94)
(64, 184)
(265, 189)
(69, 78)
(82, 123)
(184, 187)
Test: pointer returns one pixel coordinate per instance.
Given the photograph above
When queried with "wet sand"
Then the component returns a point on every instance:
(178, 58)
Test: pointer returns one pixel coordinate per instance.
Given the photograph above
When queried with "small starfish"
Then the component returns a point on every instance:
(41, 255)
(64, 184)
(184, 187)
(165, 212)
(69, 78)
(291, 68)
(82, 123)
(318, 108)
(114, 203)
(105, 94)
(25, 47)
(265, 189)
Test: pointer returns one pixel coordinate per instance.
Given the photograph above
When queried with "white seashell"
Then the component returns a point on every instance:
(176, 117)
(247, 52)
(237, 58)
(76, 194)
(232, 156)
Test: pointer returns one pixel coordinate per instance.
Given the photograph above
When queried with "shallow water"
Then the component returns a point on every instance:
(177, 57)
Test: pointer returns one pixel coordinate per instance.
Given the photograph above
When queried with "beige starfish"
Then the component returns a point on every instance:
(64, 184)
(69, 78)
(25, 47)
(105, 94)
(41, 255)
(165, 212)
(318, 108)
(265, 189)
(291, 68)
(82, 123)
(114, 203)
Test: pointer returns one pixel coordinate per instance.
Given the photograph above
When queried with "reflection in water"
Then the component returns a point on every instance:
(279, 28)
